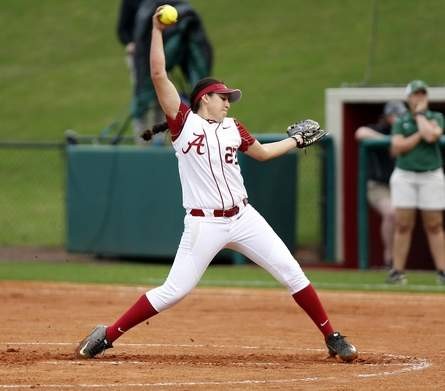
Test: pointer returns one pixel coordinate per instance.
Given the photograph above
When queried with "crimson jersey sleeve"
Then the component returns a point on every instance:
(246, 138)
(176, 124)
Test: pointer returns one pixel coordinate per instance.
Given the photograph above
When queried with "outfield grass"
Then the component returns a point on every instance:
(32, 197)
(68, 71)
(248, 276)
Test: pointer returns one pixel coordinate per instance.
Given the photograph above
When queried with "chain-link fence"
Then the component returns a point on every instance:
(32, 194)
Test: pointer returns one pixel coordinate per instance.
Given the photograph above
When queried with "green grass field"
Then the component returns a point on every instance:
(32, 197)
(68, 71)
(248, 276)
(62, 67)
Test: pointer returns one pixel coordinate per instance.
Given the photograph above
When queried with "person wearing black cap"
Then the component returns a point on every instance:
(380, 168)
(418, 180)
(218, 214)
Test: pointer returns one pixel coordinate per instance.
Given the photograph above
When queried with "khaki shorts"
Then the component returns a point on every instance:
(377, 193)
(421, 190)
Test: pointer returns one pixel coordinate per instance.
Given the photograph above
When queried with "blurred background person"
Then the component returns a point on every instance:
(380, 168)
(125, 30)
(189, 56)
(418, 180)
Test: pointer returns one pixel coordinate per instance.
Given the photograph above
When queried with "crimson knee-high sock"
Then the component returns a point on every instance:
(137, 313)
(308, 299)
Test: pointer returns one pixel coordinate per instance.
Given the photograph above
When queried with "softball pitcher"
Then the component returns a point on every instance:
(218, 213)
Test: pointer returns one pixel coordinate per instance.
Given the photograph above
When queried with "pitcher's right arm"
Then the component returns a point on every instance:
(168, 96)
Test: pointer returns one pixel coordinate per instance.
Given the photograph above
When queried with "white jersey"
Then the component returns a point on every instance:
(207, 158)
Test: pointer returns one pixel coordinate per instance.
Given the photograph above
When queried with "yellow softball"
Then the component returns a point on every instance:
(168, 15)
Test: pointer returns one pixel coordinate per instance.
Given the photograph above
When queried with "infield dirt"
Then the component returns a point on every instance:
(219, 339)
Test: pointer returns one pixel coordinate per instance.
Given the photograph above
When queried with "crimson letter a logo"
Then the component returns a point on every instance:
(197, 142)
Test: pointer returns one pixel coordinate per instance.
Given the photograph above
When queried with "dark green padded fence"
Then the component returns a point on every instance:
(126, 201)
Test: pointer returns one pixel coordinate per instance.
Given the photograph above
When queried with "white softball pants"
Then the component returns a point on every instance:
(203, 237)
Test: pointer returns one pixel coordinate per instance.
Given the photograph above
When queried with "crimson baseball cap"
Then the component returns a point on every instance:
(219, 88)
(414, 86)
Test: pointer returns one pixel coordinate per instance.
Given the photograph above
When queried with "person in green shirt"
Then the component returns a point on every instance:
(418, 180)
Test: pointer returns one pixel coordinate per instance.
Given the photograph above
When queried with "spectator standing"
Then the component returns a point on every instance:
(418, 180)
(187, 47)
(125, 29)
(380, 168)
(125, 32)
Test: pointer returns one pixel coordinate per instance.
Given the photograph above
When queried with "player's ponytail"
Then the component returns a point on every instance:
(158, 128)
